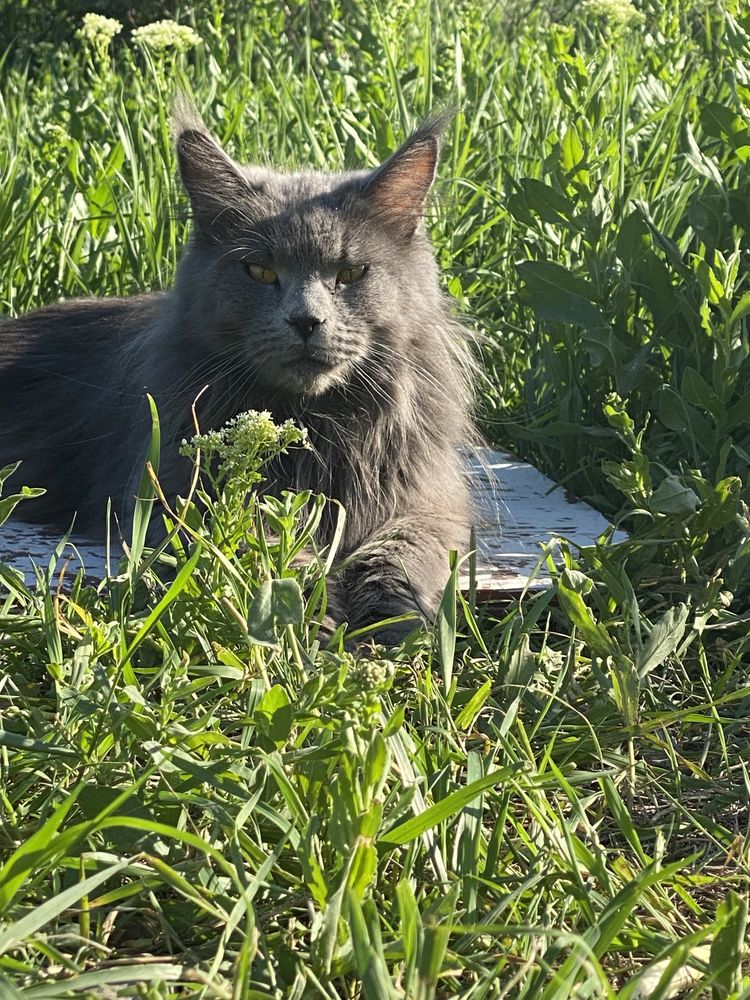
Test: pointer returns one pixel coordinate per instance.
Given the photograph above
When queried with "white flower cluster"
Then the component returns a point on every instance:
(98, 31)
(245, 442)
(160, 36)
(618, 13)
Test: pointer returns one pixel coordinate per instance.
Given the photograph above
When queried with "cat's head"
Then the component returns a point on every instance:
(311, 280)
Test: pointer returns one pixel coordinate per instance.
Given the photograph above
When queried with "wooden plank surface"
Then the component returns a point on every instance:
(518, 508)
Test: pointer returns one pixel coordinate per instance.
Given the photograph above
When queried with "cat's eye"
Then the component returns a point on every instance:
(264, 275)
(348, 275)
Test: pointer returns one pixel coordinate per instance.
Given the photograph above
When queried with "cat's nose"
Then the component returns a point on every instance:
(305, 325)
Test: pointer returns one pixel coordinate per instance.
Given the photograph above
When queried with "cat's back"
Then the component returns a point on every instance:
(72, 331)
(70, 397)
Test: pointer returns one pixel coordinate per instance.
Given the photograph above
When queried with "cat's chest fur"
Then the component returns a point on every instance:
(350, 459)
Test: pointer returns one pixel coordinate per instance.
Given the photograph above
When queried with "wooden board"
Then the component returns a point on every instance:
(518, 509)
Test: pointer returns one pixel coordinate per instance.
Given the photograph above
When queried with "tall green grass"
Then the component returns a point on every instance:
(197, 797)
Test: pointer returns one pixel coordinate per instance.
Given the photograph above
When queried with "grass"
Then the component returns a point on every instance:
(196, 798)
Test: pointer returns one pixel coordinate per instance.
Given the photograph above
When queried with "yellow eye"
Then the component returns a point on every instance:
(348, 275)
(262, 274)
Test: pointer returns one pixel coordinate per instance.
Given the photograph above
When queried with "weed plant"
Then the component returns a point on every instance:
(204, 795)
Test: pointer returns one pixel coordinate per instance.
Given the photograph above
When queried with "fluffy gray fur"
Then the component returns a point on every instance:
(377, 369)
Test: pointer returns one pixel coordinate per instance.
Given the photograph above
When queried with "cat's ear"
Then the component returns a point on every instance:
(396, 191)
(219, 193)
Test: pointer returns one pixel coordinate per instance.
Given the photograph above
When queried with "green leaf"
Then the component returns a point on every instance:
(18, 742)
(632, 239)
(672, 411)
(609, 922)
(445, 626)
(740, 310)
(673, 497)
(556, 294)
(260, 619)
(465, 718)
(98, 983)
(550, 205)
(572, 149)
(275, 714)
(710, 285)
(361, 947)
(446, 808)
(369, 960)
(144, 503)
(697, 391)
(364, 867)
(312, 870)
(680, 416)
(728, 946)
(176, 587)
(430, 965)
(287, 602)
(546, 274)
(395, 722)
(618, 417)
(723, 123)
(7, 471)
(721, 508)
(561, 307)
(604, 347)
(411, 922)
(621, 815)
(707, 214)
(632, 477)
(663, 639)
(276, 603)
(9, 504)
(594, 634)
(16, 870)
(522, 665)
(325, 944)
(626, 688)
(377, 761)
(33, 921)
(96, 799)
(698, 160)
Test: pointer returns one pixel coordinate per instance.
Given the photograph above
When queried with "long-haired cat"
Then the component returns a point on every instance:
(312, 295)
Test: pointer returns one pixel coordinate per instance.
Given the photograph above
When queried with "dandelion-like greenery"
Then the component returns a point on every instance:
(615, 13)
(244, 443)
(372, 675)
(161, 36)
(97, 32)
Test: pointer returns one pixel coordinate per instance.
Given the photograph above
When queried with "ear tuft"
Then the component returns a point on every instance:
(217, 190)
(397, 190)
(185, 116)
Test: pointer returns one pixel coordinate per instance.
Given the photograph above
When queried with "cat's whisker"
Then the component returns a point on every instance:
(212, 371)
(372, 383)
(378, 368)
(241, 250)
(419, 371)
(205, 370)
(390, 350)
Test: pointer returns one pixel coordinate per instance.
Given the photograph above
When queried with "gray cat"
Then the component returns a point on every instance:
(312, 295)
